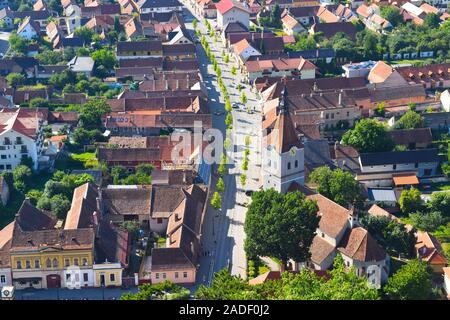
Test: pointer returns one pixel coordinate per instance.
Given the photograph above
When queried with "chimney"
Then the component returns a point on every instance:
(95, 218)
(340, 99)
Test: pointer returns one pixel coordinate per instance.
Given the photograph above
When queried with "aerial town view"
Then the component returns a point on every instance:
(201, 150)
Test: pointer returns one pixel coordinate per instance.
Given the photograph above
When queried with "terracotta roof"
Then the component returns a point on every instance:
(359, 245)
(334, 218)
(326, 15)
(83, 206)
(112, 245)
(407, 136)
(427, 73)
(320, 249)
(226, 5)
(380, 72)
(284, 137)
(429, 8)
(127, 46)
(6, 234)
(29, 218)
(331, 29)
(377, 211)
(405, 180)
(289, 21)
(127, 201)
(447, 272)
(429, 249)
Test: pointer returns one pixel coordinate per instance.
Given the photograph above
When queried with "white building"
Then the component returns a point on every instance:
(28, 29)
(146, 6)
(283, 155)
(339, 232)
(447, 281)
(232, 11)
(360, 69)
(445, 100)
(5, 263)
(20, 137)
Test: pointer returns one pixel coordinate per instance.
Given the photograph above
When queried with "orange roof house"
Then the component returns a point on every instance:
(429, 249)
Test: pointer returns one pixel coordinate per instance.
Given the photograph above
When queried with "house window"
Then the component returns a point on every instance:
(28, 264)
(67, 262)
(55, 263)
(157, 275)
(68, 277)
(289, 166)
(184, 274)
(112, 277)
(3, 156)
(416, 165)
(296, 163)
(164, 275)
(176, 275)
(37, 264)
(3, 278)
(8, 167)
(85, 277)
(75, 261)
(159, 220)
(394, 167)
(85, 262)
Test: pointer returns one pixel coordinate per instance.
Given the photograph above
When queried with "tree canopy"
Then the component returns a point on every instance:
(410, 120)
(337, 185)
(369, 135)
(410, 200)
(280, 225)
(340, 284)
(411, 282)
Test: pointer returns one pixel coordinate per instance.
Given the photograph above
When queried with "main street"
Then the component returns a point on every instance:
(223, 232)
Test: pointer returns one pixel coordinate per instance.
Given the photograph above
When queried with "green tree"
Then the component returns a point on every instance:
(15, 79)
(337, 185)
(243, 98)
(392, 14)
(243, 179)
(103, 58)
(60, 205)
(228, 107)
(233, 70)
(21, 177)
(216, 200)
(130, 226)
(280, 225)
(428, 221)
(380, 109)
(220, 185)
(411, 282)
(34, 195)
(18, 44)
(410, 120)
(431, 21)
(85, 34)
(410, 200)
(229, 119)
(39, 103)
(91, 112)
(391, 235)
(369, 135)
(159, 291)
(440, 202)
(222, 169)
(194, 24)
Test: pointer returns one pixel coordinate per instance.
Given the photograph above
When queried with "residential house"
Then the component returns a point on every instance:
(384, 75)
(429, 249)
(39, 17)
(359, 69)
(101, 23)
(5, 261)
(146, 6)
(370, 15)
(20, 137)
(291, 26)
(139, 49)
(416, 14)
(28, 29)
(229, 11)
(430, 76)
(205, 8)
(326, 16)
(180, 35)
(447, 281)
(345, 13)
(305, 15)
(127, 7)
(81, 65)
(298, 67)
(7, 16)
(412, 139)
(39, 5)
(345, 157)
(378, 169)
(179, 51)
(178, 260)
(329, 30)
(4, 191)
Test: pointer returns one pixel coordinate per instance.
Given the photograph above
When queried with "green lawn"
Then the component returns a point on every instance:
(76, 161)
(412, 61)
(438, 186)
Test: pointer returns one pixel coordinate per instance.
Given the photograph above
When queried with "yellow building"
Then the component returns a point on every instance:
(107, 274)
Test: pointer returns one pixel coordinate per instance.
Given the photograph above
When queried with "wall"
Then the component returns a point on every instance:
(157, 277)
(403, 167)
(6, 273)
(108, 269)
(13, 151)
(233, 15)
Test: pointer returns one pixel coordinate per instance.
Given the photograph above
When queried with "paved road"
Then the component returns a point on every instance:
(75, 294)
(223, 234)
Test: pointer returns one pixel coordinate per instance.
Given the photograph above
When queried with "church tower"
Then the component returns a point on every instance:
(283, 156)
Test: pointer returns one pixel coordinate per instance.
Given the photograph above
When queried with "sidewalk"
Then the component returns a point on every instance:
(73, 294)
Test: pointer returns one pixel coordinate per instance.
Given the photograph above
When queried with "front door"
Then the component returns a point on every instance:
(53, 281)
(102, 280)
